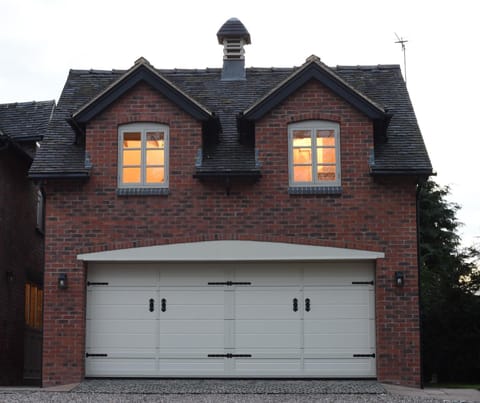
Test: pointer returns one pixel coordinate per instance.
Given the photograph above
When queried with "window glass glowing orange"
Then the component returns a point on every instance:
(325, 155)
(326, 172)
(302, 138)
(155, 157)
(131, 175)
(132, 140)
(155, 174)
(302, 173)
(302, 155)
(155, 140)
(132, 157)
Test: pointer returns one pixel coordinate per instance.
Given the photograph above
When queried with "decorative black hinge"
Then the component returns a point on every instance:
(229, 355)
(363, 282)
(95, 355)
(230, 283)
(364, 355)
(90, 283)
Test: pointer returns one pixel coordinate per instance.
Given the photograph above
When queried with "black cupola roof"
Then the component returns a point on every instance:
(233, 28)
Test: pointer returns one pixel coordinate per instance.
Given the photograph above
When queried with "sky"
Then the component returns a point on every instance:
(40, 40)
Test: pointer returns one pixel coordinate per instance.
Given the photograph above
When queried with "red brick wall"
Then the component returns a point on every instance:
(21, 251)
(369, 214)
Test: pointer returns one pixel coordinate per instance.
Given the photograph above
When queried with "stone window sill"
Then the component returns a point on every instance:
(143, 192)
(315, 190)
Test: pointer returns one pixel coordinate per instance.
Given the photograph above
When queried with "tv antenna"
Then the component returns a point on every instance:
(403, 42)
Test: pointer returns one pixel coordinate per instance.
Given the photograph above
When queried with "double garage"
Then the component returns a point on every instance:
(231, 309)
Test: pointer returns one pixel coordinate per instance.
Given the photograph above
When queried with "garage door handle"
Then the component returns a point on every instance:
(164, 304)
(295, 305)
(151, 306)
(307, 304)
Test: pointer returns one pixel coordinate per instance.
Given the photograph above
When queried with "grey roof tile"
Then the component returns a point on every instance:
(25, 121)
(404, 151)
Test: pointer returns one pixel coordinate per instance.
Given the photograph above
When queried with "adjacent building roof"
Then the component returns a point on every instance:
(25, 121)
(377, 91)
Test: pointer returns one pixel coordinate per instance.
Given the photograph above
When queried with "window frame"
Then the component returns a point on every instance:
(143, 128)
(313, 126)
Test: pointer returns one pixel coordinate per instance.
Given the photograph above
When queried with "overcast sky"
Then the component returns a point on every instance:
(40, 40)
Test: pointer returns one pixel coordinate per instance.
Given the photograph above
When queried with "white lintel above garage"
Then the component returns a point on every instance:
(230, 251)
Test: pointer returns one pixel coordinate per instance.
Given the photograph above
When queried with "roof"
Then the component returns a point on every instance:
(233, 28)
(231, 251)
(379, 90)
(25, 121)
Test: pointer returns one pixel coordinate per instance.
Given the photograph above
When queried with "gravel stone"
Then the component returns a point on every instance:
(227, 386)
(215, 391)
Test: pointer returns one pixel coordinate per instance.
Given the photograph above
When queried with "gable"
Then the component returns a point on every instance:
(141, 72)
(314, 70)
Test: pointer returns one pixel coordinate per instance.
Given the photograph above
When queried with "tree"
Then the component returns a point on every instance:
(449, 278)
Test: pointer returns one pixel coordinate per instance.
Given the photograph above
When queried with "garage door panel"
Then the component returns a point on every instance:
(117, 334)
(192, 367)
(268, 367)
(181, 326)
(186, 275)
(121, 274)
(122, 367)
(191, 341)
(346, 367)
(353, 340)
(256, 342)
(120, 312)
(267, 303)
(193, 304)
(267, 334)
(337, 295)
(119, 304)
(107, 341)
(337, 274)
(335, 326)
(268, 274)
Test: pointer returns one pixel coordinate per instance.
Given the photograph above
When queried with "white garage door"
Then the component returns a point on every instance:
(230, 320)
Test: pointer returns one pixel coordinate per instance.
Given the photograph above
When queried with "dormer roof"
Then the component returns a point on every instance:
(141, 71)
(314, 69)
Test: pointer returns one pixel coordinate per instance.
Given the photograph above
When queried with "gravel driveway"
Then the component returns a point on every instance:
(213, 391)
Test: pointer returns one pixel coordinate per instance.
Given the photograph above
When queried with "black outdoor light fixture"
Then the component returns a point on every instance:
(399, 278)
(10, 276)
(62, 281)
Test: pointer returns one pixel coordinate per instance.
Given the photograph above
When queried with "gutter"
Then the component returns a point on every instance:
(70, 175)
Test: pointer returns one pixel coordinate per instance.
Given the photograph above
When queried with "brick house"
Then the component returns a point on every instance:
(22, 125)
(232, 222)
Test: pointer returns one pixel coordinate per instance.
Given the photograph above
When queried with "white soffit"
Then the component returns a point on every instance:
(230, 251)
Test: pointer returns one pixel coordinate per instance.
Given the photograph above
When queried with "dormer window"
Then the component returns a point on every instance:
(314, 154)
(143, 156)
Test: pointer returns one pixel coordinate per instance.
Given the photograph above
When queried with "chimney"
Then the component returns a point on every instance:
(233, 36)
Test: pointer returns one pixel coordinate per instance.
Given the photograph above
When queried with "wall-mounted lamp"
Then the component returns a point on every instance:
(399, 278)
(10, 276)
(62, 281)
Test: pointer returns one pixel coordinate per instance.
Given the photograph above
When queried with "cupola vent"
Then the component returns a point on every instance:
(233, 36)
